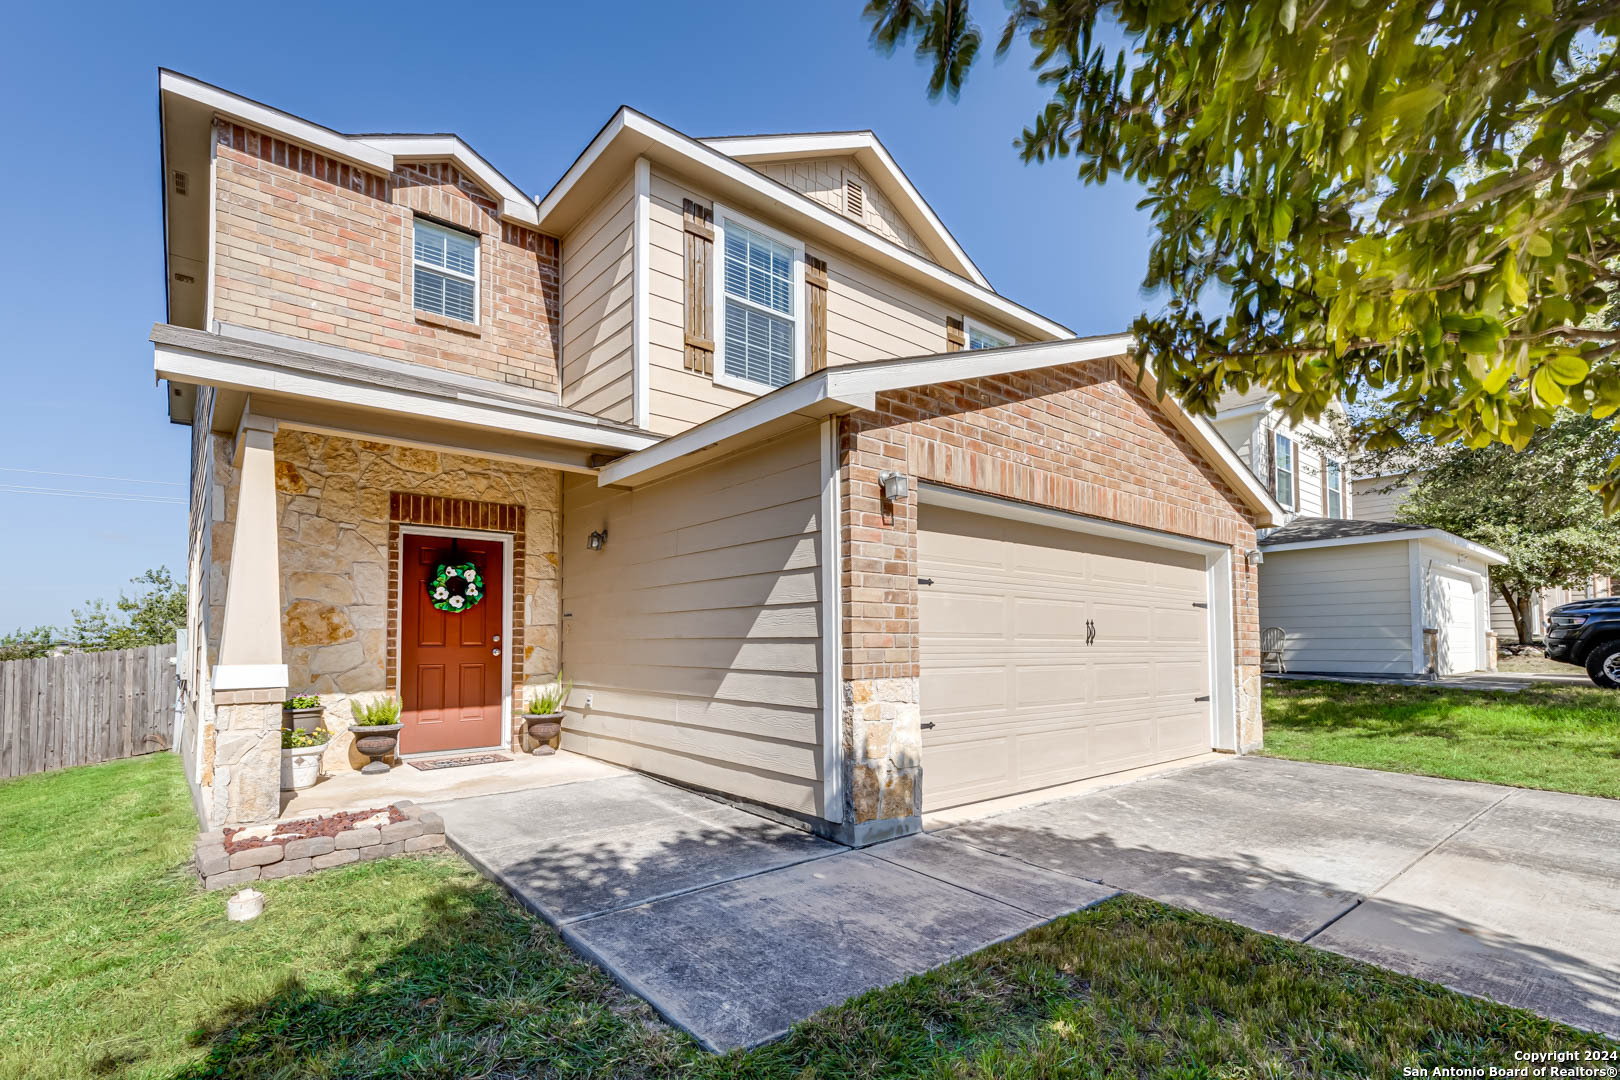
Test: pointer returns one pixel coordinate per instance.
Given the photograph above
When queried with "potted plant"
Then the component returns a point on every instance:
(543, 717)
(302, 713)
(376, 730)
(301, 757)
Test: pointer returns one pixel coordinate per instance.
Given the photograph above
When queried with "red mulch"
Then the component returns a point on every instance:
(330, 825)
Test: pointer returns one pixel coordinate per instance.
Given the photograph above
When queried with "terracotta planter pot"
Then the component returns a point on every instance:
(301, 766)
(376, 741)
(302, 719)
(542, 728)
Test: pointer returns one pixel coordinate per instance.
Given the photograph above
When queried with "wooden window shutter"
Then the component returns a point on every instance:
(1271, 460)
(955, 339)
(815, 282)
(699, 311)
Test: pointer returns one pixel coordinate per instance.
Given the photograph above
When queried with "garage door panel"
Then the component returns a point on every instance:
(1018, 699)
(1043, 617)
(1065, 684)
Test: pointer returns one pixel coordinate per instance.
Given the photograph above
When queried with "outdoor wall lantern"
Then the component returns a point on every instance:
(896, 486)
(597, 540)
(1254, 557)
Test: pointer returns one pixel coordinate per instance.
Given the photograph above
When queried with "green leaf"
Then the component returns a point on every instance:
(1566, 369)
(1539, 246)
(1546, 388)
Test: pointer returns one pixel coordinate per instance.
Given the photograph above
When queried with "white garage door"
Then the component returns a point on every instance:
(1455, 617)
(1049, 656)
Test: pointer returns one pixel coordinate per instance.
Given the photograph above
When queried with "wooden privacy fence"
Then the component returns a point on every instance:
(76, 710)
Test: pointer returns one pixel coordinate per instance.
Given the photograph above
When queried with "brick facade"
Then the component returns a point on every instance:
(1083, 439)
(318, 249)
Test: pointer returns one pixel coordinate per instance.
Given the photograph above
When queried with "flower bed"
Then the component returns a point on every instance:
(230, 857)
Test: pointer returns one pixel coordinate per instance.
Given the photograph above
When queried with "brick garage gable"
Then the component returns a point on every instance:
(319, 249)
(1082, 438)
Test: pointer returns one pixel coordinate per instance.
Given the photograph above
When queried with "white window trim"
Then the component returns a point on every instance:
(1292, 503)
(1338, 489)
(971, 325)
(717, 292)
(445, 271)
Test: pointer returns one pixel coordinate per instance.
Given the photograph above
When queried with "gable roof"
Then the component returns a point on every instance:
(378, 152)
(849, 387)
(870, 153)
(629, 135)
(1339, 532)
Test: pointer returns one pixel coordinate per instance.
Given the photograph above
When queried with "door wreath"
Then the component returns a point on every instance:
(456, 588)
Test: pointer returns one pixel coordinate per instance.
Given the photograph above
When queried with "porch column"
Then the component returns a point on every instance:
(250, 680)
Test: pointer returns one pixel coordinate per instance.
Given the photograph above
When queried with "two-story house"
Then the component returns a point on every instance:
(1344, 592)
(732, 430)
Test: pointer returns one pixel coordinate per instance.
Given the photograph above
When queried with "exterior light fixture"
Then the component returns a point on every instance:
(896, 486)
(597, 540)
(1254, 557)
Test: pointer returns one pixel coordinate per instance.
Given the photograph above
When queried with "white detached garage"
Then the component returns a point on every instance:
(1362, 597)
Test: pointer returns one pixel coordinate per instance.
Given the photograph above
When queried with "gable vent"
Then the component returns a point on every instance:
(179, 182)
(854, 198)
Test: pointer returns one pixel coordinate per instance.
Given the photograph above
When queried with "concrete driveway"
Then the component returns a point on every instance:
(735, 927)
(1499, 892)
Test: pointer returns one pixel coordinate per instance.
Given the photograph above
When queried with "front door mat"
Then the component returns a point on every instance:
(457, 762)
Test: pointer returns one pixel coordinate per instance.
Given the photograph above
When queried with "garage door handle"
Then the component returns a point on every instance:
(928, 726)
(1091, 631)
(1203, 698)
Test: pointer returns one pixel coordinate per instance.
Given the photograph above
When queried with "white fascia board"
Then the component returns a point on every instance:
(191, 366)
(1215, 445)
(1438, 536)
(994, 506)
(275, 121)
(865, 145)
(882, 375)
(516, 205)
(694, 155)
(811, 397)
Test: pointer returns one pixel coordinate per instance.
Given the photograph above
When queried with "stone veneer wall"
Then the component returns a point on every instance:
(333, 498)
(1083, 438)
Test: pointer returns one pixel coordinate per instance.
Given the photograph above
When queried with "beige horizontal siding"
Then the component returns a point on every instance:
(597, 304)
(697, 629)
(1344, 609)
(870, 316)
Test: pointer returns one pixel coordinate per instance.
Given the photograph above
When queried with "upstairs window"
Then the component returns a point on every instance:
(1282, 470)
(760, 278)
(1333, 484)
(445, 279)
(979, 337)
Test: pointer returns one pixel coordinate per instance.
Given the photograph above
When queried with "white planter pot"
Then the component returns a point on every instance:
(301, 767)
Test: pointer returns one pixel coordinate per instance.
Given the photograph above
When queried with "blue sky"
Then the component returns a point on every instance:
(527, 86)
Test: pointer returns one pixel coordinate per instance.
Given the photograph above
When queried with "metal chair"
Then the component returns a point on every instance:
(1272, 640)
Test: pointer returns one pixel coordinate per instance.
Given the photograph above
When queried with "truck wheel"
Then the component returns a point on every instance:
(1603, 664)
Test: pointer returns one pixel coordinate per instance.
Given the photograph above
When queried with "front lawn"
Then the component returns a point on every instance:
(115, 964)
(1562, 738)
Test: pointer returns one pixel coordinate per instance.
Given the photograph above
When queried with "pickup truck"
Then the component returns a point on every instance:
(1587, 633)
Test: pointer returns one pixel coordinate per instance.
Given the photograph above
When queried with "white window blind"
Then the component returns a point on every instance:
(445, 281)
(980, 338)
(760, 328)
(1283, 471)
(1335, 490)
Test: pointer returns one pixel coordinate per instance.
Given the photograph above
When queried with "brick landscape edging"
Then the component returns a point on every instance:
(422, 830)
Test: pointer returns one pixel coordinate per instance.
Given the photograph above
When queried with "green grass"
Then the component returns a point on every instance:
(114, 963)
(1561, 738)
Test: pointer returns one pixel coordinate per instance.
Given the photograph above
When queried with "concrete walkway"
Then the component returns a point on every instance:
(1505, 681)
(734, 927)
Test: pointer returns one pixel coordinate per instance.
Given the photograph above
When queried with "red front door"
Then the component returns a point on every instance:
(451, 662)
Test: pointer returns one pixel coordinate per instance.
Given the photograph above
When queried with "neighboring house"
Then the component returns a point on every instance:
(1294, 461)
(1379, 497)
(731, 430)
(1350, 595)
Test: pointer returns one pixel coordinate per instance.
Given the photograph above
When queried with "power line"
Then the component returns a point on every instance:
(91, 476)
(109, 496)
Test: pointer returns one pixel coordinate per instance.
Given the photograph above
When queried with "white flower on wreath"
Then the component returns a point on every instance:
(472, 590)
(456, 601)
(440, 593)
